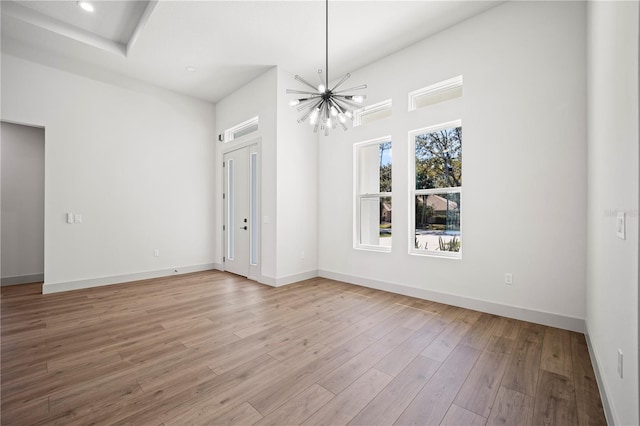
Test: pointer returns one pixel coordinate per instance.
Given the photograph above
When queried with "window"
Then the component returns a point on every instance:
(372, 113)
(436, 169)
(436, 93)
(373, 210)
(241, 129)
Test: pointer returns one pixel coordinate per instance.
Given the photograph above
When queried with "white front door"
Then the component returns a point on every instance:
(241, 210)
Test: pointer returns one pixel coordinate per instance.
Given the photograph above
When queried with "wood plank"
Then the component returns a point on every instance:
(347, 373)
(243, 414)
(480, 388)
(433, 401)
(389, 404)
(446, 341)
(458, 416)
(341, 409)
(481, 331)
(288, 386)
(405, 353)
(299, 408)
(500, 344)
(511, 408)
(522, 370)
(555, 402)
(588, 402)
(556, 352)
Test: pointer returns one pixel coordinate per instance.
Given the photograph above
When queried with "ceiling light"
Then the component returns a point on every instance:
(190, 68)
(322, 103)
(86, 6)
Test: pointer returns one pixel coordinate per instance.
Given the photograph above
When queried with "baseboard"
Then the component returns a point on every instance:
(22, 279)
(48, 288)
(516, 312)
(602, 387)
(289, 279)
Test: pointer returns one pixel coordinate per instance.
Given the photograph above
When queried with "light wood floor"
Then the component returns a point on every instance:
(213, 348)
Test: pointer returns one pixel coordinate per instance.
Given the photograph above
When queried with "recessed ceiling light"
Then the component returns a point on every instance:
(190, 68)
(86, 6)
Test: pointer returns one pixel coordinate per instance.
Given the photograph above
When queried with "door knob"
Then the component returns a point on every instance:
(243, 227)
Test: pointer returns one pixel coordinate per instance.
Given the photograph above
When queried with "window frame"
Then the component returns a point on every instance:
(231, 133)
(433, 90)
(413, 192)
(362, 116)
(358, 197)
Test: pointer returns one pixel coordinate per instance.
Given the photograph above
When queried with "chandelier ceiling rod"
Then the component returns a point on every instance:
(326, 50)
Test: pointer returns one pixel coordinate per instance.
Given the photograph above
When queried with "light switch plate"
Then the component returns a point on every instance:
(78, 218)
(620, 225)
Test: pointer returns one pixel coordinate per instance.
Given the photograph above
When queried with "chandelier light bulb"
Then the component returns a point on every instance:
(294, 102)
(342, 118)
(321, 88)
(359, 99)
(334, 111)
(329, 122)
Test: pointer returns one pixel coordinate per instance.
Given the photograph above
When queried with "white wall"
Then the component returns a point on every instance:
(612, 278)
(22, 191)
(297, 189)
(137, 163)
(524, 165)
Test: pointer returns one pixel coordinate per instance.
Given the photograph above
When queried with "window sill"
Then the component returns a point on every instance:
(380, 249)
(438, 254)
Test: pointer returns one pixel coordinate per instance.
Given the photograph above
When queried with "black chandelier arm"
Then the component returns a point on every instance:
(348, 102)
(306, 103)
(308, 113)
(362, 86)
(301, 92)
(302, 80)
(344, 109)
(342, 80)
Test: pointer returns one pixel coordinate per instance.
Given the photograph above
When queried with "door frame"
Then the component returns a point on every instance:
(254, 269)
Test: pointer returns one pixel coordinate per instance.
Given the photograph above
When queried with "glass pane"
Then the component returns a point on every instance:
(374, 168)
(245, 131)
(437, 226)
(254, 208)
(435, 97)
(375, 221)
(230, 211)
(439, 159)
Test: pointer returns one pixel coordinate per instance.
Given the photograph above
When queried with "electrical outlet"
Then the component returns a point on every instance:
(620, 360)
(156, 252)
(508, 278)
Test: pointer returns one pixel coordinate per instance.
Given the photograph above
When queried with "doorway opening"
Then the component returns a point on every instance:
(22, 157)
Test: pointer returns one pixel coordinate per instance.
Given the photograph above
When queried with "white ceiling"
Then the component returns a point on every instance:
(228, 42)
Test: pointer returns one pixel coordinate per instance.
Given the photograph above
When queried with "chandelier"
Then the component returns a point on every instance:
(326, 107)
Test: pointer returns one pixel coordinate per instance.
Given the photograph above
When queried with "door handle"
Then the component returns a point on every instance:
(243, 227)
